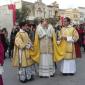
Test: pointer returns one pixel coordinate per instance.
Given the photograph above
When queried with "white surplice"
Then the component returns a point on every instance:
(68, 66)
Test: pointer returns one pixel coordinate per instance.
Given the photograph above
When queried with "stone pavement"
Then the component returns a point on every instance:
(10, 76)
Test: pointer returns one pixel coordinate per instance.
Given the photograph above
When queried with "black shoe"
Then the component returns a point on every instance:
(25, 81)
(43, 76)
(32, 78)
(71, 74)
(52, 75)
(65, 74)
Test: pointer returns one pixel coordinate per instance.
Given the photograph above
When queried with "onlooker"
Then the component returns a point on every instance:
(1, 57)
(12, 39)
(5, 40)
(78, 43)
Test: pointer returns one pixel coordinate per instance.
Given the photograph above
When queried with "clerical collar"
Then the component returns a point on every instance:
(21, 30)
(68, 26)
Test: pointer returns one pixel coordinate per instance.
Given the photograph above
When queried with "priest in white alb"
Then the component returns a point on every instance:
(69, 35)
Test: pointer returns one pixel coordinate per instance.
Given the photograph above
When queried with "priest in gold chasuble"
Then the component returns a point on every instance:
(21, 55)
(69, 35)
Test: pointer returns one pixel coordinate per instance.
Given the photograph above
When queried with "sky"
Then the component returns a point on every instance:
(63, 4)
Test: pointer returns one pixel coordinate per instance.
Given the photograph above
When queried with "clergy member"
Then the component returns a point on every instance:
(21, 57)
(69, 35)
(46, 51)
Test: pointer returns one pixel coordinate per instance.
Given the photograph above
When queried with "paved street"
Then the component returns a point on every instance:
(10, 76)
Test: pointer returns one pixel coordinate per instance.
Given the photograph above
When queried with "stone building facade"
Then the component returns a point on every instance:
(41, 10)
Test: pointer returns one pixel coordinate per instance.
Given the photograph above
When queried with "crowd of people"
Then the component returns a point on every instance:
(44, 45)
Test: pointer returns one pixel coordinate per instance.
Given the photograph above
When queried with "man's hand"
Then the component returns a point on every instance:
(28, 46)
